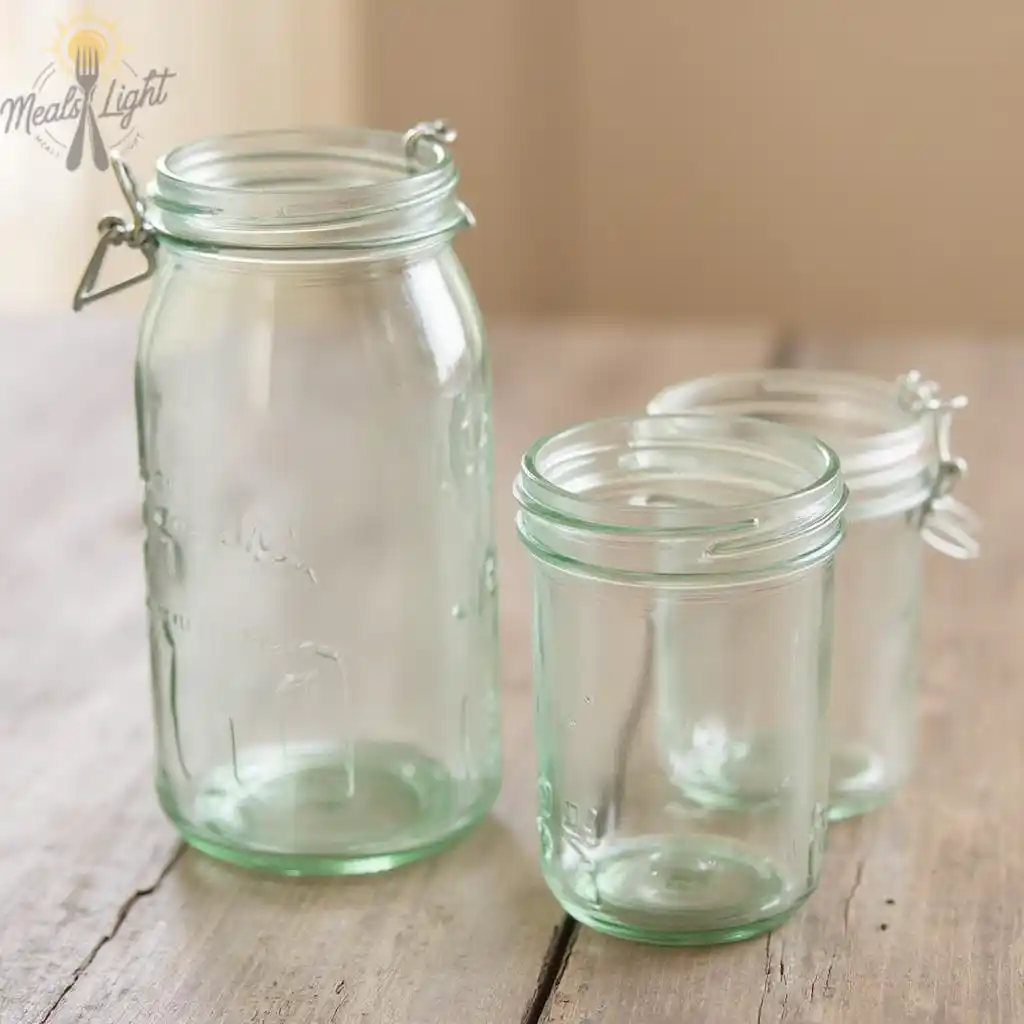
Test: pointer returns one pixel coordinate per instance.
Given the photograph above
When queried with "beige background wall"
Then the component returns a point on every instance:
(842, 164)
(831, 162)
(816, 163)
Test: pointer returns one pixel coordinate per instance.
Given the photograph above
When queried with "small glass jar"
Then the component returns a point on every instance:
(313, 401)
(719, 528)
(893, 443)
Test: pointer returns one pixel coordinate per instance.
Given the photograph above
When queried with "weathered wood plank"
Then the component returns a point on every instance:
(466, 931)
(101, 921)
(919, 916)
(79, 830)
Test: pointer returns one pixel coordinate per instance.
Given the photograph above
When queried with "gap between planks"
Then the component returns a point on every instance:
(122, 915)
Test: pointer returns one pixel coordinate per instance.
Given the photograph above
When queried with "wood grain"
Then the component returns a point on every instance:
(103, 917)
(80, 834)
(920, 914)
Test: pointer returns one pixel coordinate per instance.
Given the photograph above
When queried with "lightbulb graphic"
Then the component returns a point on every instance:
(86, 34)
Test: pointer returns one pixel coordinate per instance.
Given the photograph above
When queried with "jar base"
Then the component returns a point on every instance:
(743, 777)
(859, 783)
(737, 776)
(669, 892)
(329, 811)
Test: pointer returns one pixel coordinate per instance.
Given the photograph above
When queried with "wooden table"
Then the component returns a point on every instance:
(104, 917)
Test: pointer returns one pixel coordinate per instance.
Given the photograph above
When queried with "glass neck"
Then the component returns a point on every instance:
(356, 190)
(680, 496)
(886, 448)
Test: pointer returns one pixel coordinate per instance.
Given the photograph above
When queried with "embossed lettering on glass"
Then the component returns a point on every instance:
(723, 529)
(893, 440)
(313, 402)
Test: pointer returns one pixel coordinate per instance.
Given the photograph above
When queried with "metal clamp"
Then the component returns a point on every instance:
(946, 524)
(441, 133)
(114, 231)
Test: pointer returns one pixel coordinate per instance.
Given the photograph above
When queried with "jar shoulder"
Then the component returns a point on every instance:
(405, 317)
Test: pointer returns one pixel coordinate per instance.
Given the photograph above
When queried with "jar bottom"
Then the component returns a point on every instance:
(738, 775)
(677, 892)
(860, 782)
(318, 810)
(743, 776)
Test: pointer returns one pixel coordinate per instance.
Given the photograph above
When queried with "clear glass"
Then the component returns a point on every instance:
(314, 429)
(887, 451)
(874, 673)
(683, 578)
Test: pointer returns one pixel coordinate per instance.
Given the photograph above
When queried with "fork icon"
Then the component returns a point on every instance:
(87, 74)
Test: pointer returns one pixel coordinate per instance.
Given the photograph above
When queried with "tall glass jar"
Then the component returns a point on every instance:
(893, 442)
(694, 531)
(314, 424)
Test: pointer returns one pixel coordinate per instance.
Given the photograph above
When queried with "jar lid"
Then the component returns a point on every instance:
(887, 434)
(678, 497)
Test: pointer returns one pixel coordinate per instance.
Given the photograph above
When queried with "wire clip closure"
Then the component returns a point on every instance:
(947, 525)
(114, 231)
(442, 134)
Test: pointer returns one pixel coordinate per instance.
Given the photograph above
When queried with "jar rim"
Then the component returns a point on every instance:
(791, 509)
(339, 188)
(886, 446)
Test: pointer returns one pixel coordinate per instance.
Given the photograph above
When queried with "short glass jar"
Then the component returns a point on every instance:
(718, 527)
(313, 401)
(892, 439)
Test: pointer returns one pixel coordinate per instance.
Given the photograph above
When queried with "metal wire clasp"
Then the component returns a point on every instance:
(442, 134)
(114, 231)
(946, 524)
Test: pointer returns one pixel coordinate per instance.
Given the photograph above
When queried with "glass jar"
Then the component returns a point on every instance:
(893, 443)
(718, 528)
(313, 402)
